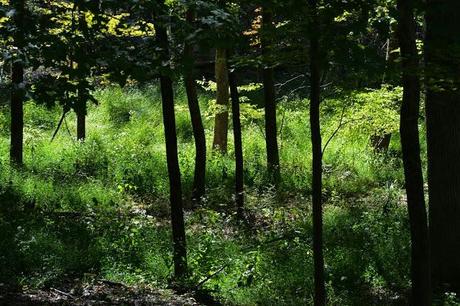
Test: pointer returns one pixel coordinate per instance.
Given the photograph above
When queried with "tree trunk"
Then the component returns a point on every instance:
(197, 123)
(221, 121)
(18, 90)
(443, 139)
(239, 181)
(380, 143)
(420, 253)
(273, 161)
(81, 124)
(175, 187)
(315, 99)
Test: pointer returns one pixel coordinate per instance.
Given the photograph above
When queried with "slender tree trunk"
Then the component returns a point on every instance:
(17, 91)
(317, 167)
(221, 121)
(81, 124)
(442, 45)
(410, 110)
(197, 123)
(82, 107)
(175, 187)
(239, 181)
(273, 160)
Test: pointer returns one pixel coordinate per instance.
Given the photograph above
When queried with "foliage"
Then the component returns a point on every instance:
(112, 191)
(99, 206)
(372, 111)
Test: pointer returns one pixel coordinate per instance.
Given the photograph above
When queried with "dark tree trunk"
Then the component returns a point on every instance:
(81, 124)
(239, 182)
(442, 45)
(221, 121)
(315, 99)
(197, 123)
(17, 91)
(420, 253)
(175, 187)
(271, 132)
(380, 143)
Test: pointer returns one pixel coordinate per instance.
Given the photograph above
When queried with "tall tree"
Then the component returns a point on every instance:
(175, 186)
(81, 119)
(442, 49)
(17, 80)
(273, 161)
(197, 123)
(239, 182)
(81, 108)
(317, 164)
(420, 253)
(222, 99)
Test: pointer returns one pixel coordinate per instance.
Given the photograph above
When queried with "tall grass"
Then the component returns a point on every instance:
(100, 206)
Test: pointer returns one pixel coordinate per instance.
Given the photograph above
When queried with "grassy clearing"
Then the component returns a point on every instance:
(100, 207)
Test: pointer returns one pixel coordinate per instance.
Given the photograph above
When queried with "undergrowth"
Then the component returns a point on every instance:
(100, 207)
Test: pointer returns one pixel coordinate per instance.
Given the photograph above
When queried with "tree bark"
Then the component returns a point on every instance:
(17, 90)
(81, 123)
(380, 143)
(239, 175)
(317, 167)
(273, 161)
(410, 110)
(197, 123)
(442, 45)
(221, 121)
(175, 187)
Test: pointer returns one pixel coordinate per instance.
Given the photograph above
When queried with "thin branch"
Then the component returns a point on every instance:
(341, 124)
(290, 80)
(67, 128)
(64, 113)
(63, 293)
(211, 276)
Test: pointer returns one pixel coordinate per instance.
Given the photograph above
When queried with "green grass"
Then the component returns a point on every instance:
(101, 207)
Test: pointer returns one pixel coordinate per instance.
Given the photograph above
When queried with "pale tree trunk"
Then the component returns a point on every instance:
(222, 99)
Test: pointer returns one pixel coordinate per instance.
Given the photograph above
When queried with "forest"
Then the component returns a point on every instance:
(230, 152)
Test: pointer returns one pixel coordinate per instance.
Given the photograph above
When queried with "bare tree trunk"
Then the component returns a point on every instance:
(239, 175)
(380, 143)
(197, 123)
(18, 90)
(443, 139)
(273, 161)
(175, 186)
(81, 122)
(410, 110)
(221, 121)
(317, 166)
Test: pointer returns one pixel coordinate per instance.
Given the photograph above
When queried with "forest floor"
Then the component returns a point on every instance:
(100, 292)
(87, 223)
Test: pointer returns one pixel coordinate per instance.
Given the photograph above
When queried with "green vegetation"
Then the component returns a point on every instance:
(103, 206)
(229, 152)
